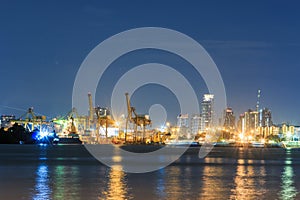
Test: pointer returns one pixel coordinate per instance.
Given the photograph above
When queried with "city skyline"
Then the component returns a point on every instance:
(254, 46)
(149, 99)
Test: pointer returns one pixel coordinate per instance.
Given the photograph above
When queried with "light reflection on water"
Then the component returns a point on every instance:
(249, 181)
(42, 188)
(211, 179)
(160, 184)
(173, 184)
(288, 189)
(117, 188)
(216, 177)
(61, 183)
(66, 183)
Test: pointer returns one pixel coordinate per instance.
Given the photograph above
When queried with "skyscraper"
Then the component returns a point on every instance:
(265, 123)
(229, 119)
(195, 124)
(183, 120)
(248, 122)
(183, 124)
(207, 111)
(265, 118)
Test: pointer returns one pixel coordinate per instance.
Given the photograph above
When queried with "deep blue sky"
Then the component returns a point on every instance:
(254, 44)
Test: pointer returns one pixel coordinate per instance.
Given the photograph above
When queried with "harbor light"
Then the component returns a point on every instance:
(44, 136)
(241, 136)
(117, 123)
(168, 124)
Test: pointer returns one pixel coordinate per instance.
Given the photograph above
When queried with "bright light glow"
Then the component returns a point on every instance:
(208, 97)
(241, 136)
(288, 134)
(43, 134)
(111, 131)
(162, 129)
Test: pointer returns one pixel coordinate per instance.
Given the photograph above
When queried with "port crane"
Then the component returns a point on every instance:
(71, 116)
(104, 118)
(30, 121)
(71, 123)
(137, 119)
(99, 116)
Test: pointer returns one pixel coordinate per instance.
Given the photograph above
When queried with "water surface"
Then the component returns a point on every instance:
(70, 172)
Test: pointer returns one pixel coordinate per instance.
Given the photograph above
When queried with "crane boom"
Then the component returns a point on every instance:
(91, 108)
(137, 120)
(129, 108)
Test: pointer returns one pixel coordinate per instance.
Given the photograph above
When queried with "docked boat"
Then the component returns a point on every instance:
(68, 140)
(72, 138)
(291, 144)
(258, 144)
(183, 143)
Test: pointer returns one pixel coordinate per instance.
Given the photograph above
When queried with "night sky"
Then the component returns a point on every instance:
(255, 45)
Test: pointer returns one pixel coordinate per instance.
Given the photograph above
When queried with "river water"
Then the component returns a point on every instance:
(70, 172)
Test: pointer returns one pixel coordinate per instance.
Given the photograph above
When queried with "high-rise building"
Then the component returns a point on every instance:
(248, 122)
(207, 111)
(265, 118)
(183, 120)
(5, 120)
(183, 126)
(265, 123)
(229, 119)
(240, 123)
(195, 124)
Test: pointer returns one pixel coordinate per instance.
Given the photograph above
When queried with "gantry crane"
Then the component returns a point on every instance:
(72, 123)
(30, 121)
(137, 120)
(72, 129)
(103, 117)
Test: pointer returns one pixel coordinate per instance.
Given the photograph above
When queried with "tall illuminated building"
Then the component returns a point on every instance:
(249, 122)
(207, 111)
(183, 120)
(265, 118)
(229, 119)
(265, 123)
(195, 124)
(183, 125)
